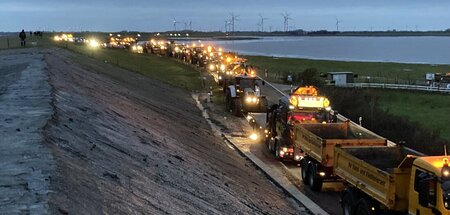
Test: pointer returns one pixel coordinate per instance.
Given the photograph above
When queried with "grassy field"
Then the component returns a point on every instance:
(14, 42)
(430, 110)
(159, 68)
(379, 72)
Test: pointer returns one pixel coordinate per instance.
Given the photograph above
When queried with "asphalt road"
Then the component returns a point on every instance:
(328, 199)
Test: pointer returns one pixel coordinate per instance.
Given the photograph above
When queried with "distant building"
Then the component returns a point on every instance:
(438, 80)
(340, 78)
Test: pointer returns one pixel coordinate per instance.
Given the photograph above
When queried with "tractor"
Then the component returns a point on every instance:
(243, 95)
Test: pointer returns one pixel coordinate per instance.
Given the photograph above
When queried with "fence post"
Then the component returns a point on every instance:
(7, 42)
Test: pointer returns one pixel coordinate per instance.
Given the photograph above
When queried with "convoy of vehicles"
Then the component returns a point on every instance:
(379, 179)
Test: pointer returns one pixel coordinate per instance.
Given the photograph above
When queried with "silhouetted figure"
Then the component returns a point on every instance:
(23, 37)
(31, 33)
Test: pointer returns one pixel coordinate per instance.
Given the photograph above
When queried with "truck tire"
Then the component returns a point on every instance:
(228, 101)
(277, 152)
(314, 181)
(237, 107)
(263, 105)
(270, 144)
(348, 202)
(364, 208)
(304, 171)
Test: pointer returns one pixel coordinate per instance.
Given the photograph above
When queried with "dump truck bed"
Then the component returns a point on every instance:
(382, 172)
(318, 140)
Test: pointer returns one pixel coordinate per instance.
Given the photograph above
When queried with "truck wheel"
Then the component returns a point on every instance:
(237, 107)
(304, 172)
(364, 208)
(228, 100)
(314, 181)
(270, 144)
(277, 152)
(263, 105)
(348, 202)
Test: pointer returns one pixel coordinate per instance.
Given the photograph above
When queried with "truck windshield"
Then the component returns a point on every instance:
(446, 193)
(246, 83)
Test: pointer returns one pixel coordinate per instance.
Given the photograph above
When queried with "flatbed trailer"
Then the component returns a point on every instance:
(317, 141)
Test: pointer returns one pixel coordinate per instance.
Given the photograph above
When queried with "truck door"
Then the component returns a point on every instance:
(423, 196)
(281, 122)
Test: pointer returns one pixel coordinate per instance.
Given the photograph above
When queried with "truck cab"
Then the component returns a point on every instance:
(429, 191)
(303, 106)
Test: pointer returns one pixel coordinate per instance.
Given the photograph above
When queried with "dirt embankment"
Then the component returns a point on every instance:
(123, 143)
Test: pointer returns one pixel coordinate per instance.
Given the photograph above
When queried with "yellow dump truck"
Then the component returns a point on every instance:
(392, 180)
(317, 141)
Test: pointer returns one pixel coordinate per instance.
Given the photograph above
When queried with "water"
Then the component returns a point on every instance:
(429, 50)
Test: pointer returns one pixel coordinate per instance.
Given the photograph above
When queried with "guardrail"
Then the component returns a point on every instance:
(395, 86)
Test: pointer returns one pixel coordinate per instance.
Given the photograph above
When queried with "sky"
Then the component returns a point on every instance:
(210, 15)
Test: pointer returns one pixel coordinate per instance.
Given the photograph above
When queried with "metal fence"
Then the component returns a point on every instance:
(396, 86)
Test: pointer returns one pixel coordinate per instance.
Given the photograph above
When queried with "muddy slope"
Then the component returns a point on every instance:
(123, 143)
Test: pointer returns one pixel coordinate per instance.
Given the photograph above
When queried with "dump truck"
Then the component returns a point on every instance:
(392, 180)
(302, 106)
(243, 95)
(316, 143)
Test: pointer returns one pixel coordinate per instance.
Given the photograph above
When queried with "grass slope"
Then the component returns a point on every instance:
(430, 110)
(155, 67)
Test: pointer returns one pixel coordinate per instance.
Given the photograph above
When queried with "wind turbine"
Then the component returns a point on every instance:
(337, 24)
(262, 22)
(286, 17)
(174, 23)
(233, 19)
(227, 25)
